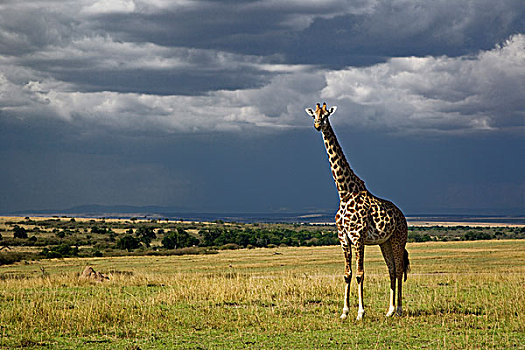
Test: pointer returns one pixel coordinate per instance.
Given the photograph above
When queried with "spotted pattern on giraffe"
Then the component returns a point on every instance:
(361, 212)
(363, 219)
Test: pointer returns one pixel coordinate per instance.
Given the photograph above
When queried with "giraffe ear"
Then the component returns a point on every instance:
(310, 112)
(332, 110)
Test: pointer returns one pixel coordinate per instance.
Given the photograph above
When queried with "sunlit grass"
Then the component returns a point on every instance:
(459, 295)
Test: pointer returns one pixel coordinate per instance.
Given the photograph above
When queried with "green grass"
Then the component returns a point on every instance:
(459, 295)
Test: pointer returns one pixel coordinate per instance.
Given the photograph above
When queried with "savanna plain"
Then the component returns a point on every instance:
(459, 295)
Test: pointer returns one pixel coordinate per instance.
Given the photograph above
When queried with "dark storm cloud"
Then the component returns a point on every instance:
(31, 26)
(100, 64)
(248, 27)
(197, 103)
(148, 63)
(335, 33)
(412, 28)
(413, 94)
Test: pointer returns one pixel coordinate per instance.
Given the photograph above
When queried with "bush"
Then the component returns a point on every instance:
(416, 237)
(144, 231)
(145, 235)
(98, 230)
(183, 251)
(128, 243)
(59, 251)
(19, 232)
(230, 246)
(477, 235)
(178, 239)
(10, 258)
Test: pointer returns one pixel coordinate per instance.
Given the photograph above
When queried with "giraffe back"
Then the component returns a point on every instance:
(362, 216)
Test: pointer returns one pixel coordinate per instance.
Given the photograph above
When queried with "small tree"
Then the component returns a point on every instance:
(144, 231)
(98, 230)
(170, 240)
(19, 232)
(128, 242)
(178, 239)
(145, 235)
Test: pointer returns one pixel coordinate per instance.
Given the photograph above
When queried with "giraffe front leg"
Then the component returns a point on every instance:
(360, 254)
(348, 278)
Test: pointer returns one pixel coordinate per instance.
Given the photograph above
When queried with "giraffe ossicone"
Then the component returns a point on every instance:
(363, 219)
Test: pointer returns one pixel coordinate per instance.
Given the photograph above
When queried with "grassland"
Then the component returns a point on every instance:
(459, 295)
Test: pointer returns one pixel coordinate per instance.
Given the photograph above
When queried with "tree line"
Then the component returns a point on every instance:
(58, 238)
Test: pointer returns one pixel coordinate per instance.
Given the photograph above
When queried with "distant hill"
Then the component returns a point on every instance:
(128, 211)
(318, 216)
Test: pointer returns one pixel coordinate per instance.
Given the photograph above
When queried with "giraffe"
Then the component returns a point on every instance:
(363, 219)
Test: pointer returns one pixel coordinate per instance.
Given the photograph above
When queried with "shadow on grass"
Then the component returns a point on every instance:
(445, 311)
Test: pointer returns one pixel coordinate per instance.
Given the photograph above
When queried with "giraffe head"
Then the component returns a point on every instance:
(320, 115)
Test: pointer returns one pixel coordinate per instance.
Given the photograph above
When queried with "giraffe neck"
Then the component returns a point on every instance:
(345, 179)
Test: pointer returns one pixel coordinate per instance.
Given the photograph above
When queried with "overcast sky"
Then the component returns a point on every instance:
(199, 105)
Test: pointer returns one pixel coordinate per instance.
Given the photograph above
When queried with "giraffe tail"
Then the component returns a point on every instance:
(406, 264)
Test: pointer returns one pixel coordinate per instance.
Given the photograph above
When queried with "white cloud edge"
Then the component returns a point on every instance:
(408, 94)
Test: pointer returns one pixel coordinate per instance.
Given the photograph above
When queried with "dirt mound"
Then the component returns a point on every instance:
(90, 273)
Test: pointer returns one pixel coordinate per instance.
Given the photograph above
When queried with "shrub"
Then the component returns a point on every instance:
(59, 251)
(416, 237)
(477, 235)
(230, 246)
(178, 239)
(145, 235)
(10, 258)
(184, 251)
(144, 231)
(128, 243)
(19, 232)
(98, 230)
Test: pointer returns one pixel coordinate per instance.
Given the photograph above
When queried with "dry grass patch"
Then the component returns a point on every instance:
(267, 298)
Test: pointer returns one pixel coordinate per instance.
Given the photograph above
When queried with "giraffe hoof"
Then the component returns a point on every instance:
(399, 311)
(360, 315)
(390, 312)
(343, 317)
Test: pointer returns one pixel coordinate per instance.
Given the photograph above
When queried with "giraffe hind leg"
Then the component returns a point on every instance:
(400, 259)
(388, 255)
